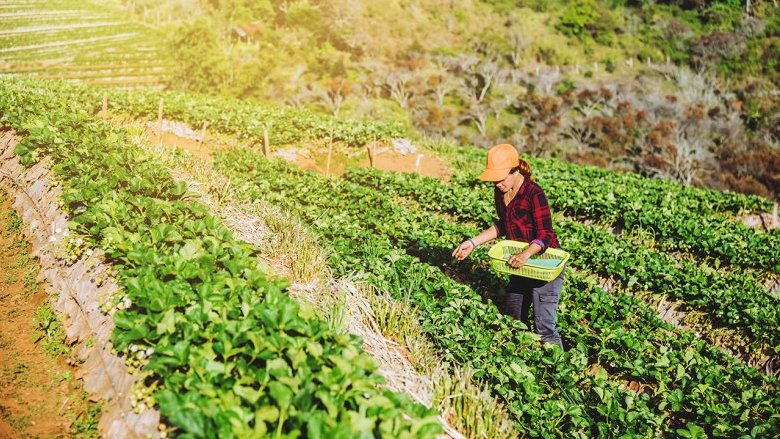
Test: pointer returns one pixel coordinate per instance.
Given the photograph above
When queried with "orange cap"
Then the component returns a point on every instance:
(500, 160)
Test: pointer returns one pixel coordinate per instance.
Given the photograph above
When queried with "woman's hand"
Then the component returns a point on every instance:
(463, 251)
(518, 260)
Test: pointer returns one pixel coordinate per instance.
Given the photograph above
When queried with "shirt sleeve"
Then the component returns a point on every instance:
(500, 227)
(542, 220)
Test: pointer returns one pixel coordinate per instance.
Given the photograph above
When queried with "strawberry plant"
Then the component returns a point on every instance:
(226, 350)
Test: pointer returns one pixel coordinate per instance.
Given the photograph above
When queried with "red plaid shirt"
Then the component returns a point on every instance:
(527, 217)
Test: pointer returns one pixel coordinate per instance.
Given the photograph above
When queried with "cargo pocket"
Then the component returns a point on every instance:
(549, 297)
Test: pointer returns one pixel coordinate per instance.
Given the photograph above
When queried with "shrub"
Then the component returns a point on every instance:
(587, 18)
(711, 49)
(722, 16)
(565, 86)
(610, 65)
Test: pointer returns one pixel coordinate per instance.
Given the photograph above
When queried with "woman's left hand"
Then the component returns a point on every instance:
(518, 260)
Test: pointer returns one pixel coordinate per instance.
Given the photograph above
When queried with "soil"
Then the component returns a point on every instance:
(198, 149)
(39, 396)
(430, 164)
(314, 159)
(762, 221)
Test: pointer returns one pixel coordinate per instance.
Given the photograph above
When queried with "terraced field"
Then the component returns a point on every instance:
(626, 372)
(80, 41)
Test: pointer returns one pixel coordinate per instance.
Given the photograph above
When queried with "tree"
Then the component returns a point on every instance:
(518, 42)
(397, 83)
(202, 65)
(333, 93)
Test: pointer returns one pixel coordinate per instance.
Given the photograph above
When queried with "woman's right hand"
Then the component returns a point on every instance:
(464, 249)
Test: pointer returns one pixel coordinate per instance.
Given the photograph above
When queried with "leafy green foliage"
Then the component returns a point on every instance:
(736, 300)
(405, 249)
(51, 335)
(369, 233)
(232, 355)
(247, 120)
(588, 19)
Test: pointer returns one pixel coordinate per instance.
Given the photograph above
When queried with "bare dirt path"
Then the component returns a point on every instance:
(39, 394)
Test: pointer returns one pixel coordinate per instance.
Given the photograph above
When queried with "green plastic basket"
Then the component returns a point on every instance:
(544, 267)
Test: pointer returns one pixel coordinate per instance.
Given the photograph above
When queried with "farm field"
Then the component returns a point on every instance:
(214, 334)
(80, 41)
(236, 219)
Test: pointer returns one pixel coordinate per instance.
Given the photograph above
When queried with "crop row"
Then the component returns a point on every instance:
(683, 218)
(546, 390)
(72, 48)
(736, 300)
(21, 19)
(745, 305)
(617, 333)
(243, 119)
(227, 350)
(54, 35)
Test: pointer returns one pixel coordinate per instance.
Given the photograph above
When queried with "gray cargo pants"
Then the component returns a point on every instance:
(523, 292)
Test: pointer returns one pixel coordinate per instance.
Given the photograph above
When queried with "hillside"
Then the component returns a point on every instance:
(262, 247)
(685, 91)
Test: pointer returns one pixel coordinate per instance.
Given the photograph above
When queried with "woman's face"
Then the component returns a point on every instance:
(507, 183)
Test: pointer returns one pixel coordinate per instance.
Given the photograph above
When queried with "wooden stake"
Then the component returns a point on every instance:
(203, 133)
(419, 161)
(105, 103)
(160, 121)
(370, 149)
(266, 143)
(330, 153)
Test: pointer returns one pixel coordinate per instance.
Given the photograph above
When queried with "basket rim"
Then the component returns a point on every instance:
(559, 253)
(546, 275)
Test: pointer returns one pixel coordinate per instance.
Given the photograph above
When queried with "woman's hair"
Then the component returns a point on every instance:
(524, 168)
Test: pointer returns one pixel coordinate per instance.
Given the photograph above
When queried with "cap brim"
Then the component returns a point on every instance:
(494, 174)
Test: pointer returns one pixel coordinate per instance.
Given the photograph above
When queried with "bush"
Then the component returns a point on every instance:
(587, 19)
(771, 59)
(552, 56)
(610, 65)
(722, 16)
(711, 49)
(201, 63)
(565, 86)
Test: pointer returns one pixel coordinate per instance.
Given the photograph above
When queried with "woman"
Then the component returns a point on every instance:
(523, 215)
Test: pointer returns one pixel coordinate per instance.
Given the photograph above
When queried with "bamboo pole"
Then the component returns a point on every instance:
(203, 133)
(330, 153)
(160, 122)
(418, 163)
(370, 149)
(266, 143)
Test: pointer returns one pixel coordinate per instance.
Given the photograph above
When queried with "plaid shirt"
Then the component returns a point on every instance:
(527, 217)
